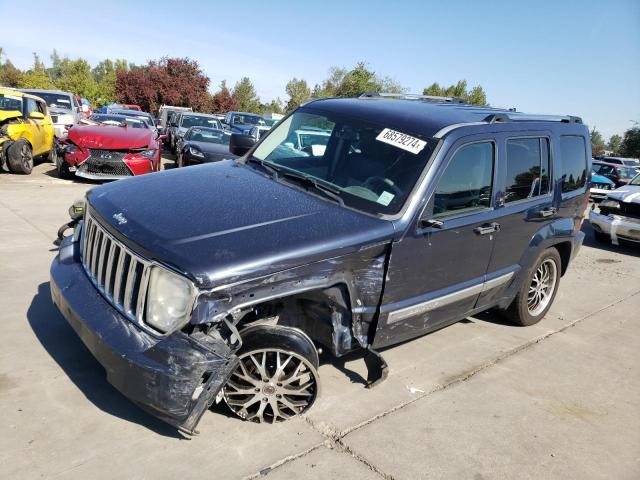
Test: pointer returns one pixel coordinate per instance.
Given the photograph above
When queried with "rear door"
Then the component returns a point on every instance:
(436, 272)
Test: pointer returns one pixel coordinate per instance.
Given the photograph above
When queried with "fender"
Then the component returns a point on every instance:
(361, 274)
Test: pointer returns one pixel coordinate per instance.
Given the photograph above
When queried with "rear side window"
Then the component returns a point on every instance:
(574, 162)
(466, 184)
(527, 168)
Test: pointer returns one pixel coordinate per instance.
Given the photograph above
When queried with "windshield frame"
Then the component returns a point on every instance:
(635, 181)
(411, 199)
(47, 96)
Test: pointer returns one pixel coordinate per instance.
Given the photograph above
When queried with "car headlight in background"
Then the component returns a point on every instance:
(609, 203)
(196, 153)
(169, 300)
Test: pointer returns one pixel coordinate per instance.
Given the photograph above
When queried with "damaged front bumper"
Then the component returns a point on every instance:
(616, 226)
(175, 378)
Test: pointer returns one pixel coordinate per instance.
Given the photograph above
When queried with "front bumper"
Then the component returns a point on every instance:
(598, 193)
(616, 226)
(175, 377)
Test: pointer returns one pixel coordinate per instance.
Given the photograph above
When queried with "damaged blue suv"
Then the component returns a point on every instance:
(354, 224)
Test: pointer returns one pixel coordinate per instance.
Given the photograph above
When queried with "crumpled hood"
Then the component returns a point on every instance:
(628, 193)
(110, 137)
(7, 114)
(222, 222)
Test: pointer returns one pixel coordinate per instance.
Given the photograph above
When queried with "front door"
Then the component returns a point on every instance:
(437, 271)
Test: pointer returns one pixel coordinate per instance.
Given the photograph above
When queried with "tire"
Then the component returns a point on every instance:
(533, 299)
(62, 169)
(277, 377)
(601, 237)
(20, 157)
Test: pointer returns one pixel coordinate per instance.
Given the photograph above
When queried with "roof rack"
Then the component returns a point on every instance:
(413, 96)
(523, 117)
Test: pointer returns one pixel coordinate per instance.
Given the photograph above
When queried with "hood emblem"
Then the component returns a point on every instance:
(120, 218)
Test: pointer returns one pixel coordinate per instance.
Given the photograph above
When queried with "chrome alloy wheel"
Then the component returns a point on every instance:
(271, 385)
(543, 284)
(26, 157)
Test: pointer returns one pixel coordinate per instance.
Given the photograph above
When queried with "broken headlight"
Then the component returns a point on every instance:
(610, 203)
(169, 300)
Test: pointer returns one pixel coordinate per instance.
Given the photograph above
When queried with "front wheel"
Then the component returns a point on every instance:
(538, 290)
(20, 157)
(276, 377)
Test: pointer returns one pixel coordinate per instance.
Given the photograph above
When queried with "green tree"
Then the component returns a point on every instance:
(358, 81)
(76, 77)
(631, 143)
(330, 85)
(37, 77)
(299, 93)
(10, 76)
(615, 144)
(104, 74)
(475, 96)
(597, 142)
(275, 106)
(245, 93)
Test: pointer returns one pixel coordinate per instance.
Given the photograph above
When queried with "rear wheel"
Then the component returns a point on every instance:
(538, 290)
(276, 377)
(20, 157)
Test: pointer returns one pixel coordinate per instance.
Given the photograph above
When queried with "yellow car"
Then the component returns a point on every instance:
(26, 131)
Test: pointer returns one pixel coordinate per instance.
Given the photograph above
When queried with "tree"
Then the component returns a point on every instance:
(223, 101)
(37, 77)
(615, 144)
(104, 73)
(597, 142)
(10, 76)
(631, 143)
(358, 81)
(245, 93)
(475, 96)
(76, 77)
(299, 93)
(173, 81)
(330, 85)
(275, 106)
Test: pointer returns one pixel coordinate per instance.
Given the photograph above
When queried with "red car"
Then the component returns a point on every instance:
(109, 147)
(131, 107)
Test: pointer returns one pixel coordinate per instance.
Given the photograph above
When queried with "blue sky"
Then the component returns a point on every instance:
(564, 57)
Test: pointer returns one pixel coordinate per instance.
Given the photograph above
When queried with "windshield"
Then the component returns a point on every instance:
(370, 167)
(636, 180)
(139, 115)
(631, 163)
(55, 99)
(626, 172)
(208, 135)
(10, 102)
(247, 120)
(123, 120)
(199, 121)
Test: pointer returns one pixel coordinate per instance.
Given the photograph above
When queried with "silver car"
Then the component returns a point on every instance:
(63, 106)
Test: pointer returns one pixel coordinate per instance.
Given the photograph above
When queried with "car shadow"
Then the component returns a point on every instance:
(65, 347)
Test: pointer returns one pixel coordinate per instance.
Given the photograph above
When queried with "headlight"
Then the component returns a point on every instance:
(196, 153)
(148, 153)
(169, 300)
(609, 203)
(76, 210)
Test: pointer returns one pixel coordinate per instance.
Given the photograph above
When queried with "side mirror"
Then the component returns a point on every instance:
(240, 144)
(36, 116)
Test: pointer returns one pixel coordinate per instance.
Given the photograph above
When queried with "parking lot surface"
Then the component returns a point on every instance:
(480, 399)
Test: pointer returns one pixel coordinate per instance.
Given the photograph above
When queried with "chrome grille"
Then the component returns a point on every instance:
(120, 275)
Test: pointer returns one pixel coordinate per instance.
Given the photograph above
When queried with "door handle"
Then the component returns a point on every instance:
(548, 212)
(487, 228)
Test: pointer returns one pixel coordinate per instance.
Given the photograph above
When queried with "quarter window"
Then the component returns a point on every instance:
(527, 168)
(31, 106)
(574, 162)
(466, 184)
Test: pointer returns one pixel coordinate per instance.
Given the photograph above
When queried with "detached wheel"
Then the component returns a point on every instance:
(20, 157)
(277, 376)
(538, 291)
(601, 237)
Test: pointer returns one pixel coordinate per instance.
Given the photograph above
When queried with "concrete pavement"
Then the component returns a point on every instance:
(479, 399)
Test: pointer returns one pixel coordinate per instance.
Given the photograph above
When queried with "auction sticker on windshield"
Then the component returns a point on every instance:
(401, 140)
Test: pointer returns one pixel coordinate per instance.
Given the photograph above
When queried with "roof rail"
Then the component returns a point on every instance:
(413, 96)
(523, 117)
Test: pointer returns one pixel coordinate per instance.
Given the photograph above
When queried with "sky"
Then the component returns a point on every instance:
(552, 57)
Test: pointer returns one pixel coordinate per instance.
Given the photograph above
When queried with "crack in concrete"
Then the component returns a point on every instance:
(334, 439)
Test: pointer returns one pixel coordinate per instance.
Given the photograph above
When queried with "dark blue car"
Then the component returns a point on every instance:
(403, 216)
(242, 122)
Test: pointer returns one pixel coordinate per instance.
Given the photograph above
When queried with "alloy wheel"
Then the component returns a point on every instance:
(271, 385)
(25, 157)
(543, 284)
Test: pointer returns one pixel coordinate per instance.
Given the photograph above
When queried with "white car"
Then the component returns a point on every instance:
(619, 215)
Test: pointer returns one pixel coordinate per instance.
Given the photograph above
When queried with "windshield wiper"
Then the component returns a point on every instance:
(326, 190)
(273, 171)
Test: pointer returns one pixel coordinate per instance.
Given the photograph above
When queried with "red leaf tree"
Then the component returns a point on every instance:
(171, 81)
(223, 101)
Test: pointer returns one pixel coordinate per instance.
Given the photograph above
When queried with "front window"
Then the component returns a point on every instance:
(208, 135)
(247, 120)
(370, 167)
(199, 121)
(55, 100)
(10, 103)
(635, 180)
